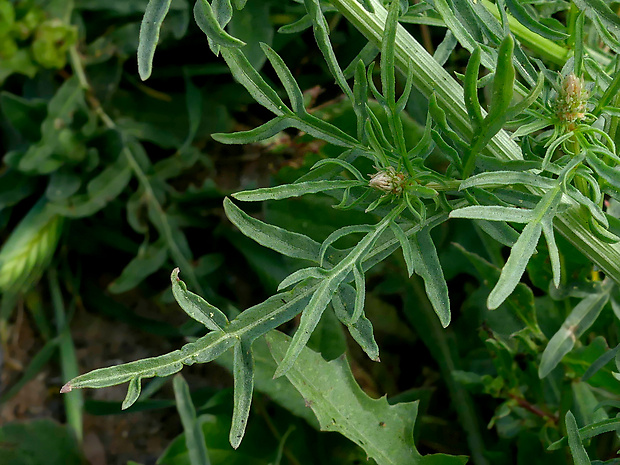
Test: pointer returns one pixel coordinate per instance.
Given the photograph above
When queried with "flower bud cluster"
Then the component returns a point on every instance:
(572, 100)
(388, 180)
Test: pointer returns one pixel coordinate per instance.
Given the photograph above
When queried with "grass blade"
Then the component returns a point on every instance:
(74, 402)
(194, 439)
(580, 456)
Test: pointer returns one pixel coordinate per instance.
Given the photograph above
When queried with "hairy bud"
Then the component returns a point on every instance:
(572, 100)
(388, 180)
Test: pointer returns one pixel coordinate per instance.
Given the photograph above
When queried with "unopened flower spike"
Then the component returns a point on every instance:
(571, 104)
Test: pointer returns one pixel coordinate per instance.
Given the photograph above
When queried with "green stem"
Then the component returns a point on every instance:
(470, 158)
(78, 69)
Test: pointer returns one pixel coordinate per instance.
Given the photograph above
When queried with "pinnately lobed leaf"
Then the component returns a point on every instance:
(384, 431)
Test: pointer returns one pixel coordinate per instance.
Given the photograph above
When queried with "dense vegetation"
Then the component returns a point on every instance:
(351, 199)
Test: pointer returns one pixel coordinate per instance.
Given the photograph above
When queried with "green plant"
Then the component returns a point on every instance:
(546, 163)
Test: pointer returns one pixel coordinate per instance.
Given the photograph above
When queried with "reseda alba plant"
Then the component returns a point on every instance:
(557, 177)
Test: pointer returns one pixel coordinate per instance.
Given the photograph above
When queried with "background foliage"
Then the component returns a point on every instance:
(108, 183)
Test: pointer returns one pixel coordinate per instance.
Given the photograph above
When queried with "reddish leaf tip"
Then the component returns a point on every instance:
(66, 388)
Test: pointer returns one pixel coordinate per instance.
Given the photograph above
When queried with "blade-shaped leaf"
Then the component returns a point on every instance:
(300, 275)
(428, 267)
(195, 306)
(594, 209)
(288, 81)
(503, 82)
(524, 17)
(494, 213)
(262, 132)
(470, 89)
(388, 78)
(249, 78)
(344, 305)
(576, 324)
(499, 231)
(600, 362)
(295, 190)
(243, 372)
(154, 15)
(207, 22)
(288, 243)
(309, 319)
(321, 34)
(308, 124)
(360, 292)
(405, 246)
(600, 9)
(133, 392)
(554, 254)
(580, 456)
(520, 255)
(203, 350)
(589, 431)
(150, 258)
(507, 178)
